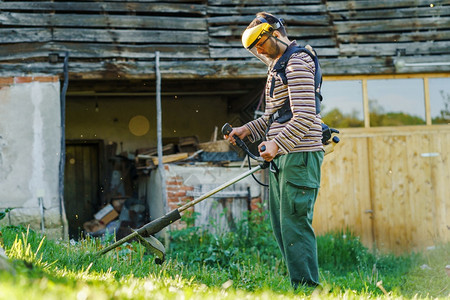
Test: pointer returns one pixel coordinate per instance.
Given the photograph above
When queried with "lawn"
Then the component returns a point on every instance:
(244, 264)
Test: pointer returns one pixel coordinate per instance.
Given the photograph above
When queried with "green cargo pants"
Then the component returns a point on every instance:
(292, 194)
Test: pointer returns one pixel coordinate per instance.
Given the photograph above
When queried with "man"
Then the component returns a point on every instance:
(294, 145)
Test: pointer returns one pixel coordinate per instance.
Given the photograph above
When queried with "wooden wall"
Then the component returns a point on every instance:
(201, 38)
(388, 185)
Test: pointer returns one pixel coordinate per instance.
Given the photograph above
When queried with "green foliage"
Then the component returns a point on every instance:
(245, 263)
(336, 119)
(444, 114)
(4, 213)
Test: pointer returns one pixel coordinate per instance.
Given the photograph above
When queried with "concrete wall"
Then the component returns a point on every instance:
(30, 139)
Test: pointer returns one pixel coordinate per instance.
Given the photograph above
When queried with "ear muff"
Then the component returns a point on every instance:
(252, 36)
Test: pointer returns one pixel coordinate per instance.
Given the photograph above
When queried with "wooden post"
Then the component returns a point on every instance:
(426, 91)
(366, 104)
(159, 132)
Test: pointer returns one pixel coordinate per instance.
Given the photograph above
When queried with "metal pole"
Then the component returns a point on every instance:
(159, 132)
(62, 161)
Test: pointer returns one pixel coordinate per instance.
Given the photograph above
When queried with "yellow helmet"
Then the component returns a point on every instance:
(251, 36)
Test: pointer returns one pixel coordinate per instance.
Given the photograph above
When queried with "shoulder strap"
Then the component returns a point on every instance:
(280, 69)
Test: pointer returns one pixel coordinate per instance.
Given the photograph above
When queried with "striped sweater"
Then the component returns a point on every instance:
(304, 131)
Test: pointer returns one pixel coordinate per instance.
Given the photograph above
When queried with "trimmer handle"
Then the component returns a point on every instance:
(226, 130)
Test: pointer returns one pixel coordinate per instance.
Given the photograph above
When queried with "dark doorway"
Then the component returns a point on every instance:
(82, 188)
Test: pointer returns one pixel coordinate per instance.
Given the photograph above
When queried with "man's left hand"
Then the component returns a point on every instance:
(270, 152)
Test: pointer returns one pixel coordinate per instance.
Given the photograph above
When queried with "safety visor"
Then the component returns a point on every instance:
(258, 34)
(252, 36)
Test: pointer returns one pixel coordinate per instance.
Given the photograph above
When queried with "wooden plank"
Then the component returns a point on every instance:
(241, 52)
(384, 37)
(24, 35)
(395, 13)
(129, 36)
(392, 25)
(385, 49)
(331, 182)
(362, 192)
(274, 9)
(369, 4)
(400, 235)
(170, 158)
(382, 187)
(258, 3)
(292, 31)
(438, 156)
(236, 42)
(107, 21)
(289, 19)
(99, 50)
(96, 6)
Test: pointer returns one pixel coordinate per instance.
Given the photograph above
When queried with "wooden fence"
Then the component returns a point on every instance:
(390, 186)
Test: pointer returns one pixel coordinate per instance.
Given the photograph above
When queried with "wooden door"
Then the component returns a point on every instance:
(81, 184)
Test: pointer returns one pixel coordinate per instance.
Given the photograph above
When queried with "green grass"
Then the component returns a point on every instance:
(244, 264)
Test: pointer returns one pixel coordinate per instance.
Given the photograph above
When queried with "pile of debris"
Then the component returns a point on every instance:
(117, 218)
(121, 212)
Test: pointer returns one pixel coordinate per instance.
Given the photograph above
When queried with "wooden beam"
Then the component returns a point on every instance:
(366, 104)
(426, 90)
(26, 50)
(217, 69)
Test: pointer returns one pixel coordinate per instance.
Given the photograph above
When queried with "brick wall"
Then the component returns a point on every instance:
(177, 187)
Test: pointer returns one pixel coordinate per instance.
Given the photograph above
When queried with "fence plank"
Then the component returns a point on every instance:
(405, 173)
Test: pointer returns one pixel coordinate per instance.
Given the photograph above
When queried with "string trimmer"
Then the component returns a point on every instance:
(144, 234)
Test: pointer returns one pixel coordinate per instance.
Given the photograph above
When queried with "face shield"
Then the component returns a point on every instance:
(257, 35)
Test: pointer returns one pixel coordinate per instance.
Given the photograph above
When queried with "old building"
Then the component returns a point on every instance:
(386, 67)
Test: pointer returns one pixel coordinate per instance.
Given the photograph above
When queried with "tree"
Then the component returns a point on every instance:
(444, 115)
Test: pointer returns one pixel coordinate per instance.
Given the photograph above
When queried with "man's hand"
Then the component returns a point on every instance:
(270, 152)
(240, 132)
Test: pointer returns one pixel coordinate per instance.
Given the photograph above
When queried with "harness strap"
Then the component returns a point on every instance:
(280, 71)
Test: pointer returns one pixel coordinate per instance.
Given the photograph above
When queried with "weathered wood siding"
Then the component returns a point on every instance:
(388, 185)
(106, 39)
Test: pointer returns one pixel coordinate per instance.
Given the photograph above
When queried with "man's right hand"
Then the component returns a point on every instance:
(240, 132)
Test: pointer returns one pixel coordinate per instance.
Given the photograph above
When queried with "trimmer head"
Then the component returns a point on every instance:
(154, 246)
